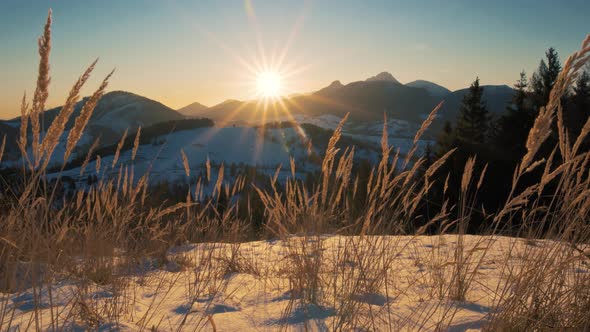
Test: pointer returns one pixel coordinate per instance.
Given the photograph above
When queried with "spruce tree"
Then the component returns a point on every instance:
(472, 125)
(581, 96)
(520, 96)
(446, 139)
(544, 78)
(578, 107)
(514, 126)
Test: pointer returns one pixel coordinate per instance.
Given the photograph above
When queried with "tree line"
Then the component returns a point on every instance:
(499, 143)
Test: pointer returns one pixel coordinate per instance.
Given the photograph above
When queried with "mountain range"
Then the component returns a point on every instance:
(367, 101)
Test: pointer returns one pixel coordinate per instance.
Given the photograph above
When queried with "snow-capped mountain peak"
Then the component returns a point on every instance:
(383, 76)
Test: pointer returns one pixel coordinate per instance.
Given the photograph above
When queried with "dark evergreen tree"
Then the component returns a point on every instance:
(472, 125)
(578, 106)
(520, 97)
(469, 137)
(544, 78)
(446, 139)
(514, 126)
(581, 98)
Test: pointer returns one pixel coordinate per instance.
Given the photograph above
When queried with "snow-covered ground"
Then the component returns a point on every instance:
(389, 283)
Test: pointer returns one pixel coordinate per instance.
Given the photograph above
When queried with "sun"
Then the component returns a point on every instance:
(269, 84)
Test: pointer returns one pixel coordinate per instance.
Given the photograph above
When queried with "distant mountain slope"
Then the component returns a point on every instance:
(120, 110)
(434, 89)
(497, 97)
(11, 134)
(115, 112)
(234, 112)
(125, 108)
(368, 100)
(334, 86)
(193, 110)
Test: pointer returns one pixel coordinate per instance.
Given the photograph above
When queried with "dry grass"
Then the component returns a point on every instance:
(106, 235)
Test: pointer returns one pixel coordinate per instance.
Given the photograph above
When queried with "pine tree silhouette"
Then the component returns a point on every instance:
(544, 78)
(514, 126)
(472, 125)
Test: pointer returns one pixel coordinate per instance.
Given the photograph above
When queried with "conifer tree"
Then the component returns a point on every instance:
(544, 78)
(446, 139)
(520, 96)
(472, 125)
(578, 107)
(516, 123)
(581, 96)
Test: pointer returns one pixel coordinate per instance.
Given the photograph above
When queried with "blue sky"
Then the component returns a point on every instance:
(180, 51)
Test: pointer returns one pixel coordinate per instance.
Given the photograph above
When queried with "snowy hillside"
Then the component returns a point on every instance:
(233, 145)
(265, 148)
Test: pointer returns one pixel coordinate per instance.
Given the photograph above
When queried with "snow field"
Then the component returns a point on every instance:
(316, 283)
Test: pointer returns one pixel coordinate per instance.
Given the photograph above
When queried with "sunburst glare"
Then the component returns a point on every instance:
(269, 84)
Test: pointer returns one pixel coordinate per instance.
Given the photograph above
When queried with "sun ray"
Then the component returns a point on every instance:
(302, 134)
(292, 35)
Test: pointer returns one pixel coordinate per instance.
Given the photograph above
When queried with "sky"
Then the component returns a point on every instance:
(207, 51)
